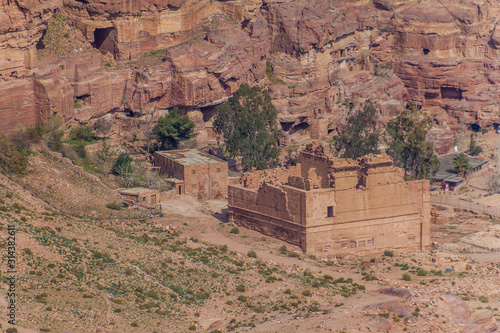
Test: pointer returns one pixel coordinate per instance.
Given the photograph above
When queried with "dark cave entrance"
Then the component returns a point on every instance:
(475, 127)
(207, 112)
(131, 114)
(105, 40)
(302, 127)
(451, 93)
(285, 126)
(426, 51)
(40, 45)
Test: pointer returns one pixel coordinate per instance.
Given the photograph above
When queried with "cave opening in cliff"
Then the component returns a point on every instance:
(105, 40)
(85, 99)
(244, 23)
(131, 114)
(207, 112)
(496, 126)
(475, 127)
(451, 93)
(302, 127)
(426, 51)
(285, 125)
(40, 45)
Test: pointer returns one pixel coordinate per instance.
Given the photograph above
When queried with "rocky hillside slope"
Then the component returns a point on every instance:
(188, 272)
(140, 58)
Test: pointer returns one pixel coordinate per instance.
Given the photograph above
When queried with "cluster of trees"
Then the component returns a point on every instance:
(405, 138)
(247, 125)
(247, 128)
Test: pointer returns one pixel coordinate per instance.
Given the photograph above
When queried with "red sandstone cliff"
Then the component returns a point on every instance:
(312, 55)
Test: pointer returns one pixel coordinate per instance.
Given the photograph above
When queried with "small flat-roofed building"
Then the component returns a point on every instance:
(194, 173)
(448, 177)
(452, 182)
(141, 196)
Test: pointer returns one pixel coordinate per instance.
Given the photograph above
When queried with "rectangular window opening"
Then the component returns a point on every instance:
(329, 212)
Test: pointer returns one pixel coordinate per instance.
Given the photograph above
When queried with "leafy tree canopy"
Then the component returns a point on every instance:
(247, 125)
(474, 148)
(408, 144)
(359, 136)
(124, 161)
(172, 129)
(461, 164)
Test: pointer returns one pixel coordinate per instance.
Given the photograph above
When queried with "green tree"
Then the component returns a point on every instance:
(83, 133)
(461, 164)
(172, 129)
(359, 136)
(124, 161)
(408, 144)
(474, 148)
(292, 157)
(247, 124)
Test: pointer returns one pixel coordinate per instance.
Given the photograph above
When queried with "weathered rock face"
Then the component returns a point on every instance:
(445, 53)
(21, 26)
(314, 56)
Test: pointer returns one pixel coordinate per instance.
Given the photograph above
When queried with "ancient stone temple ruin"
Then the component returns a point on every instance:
(334, 206)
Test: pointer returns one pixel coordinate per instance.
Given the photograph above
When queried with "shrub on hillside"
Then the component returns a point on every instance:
(114, 206)
(13, 159)
(48, 132)
(82, 133)
(123, 161)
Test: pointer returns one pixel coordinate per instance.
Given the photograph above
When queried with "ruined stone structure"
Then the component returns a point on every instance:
(194, 173)
(332, 206)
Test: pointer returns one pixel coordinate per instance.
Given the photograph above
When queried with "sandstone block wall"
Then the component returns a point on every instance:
(206, 181)
(275, 218)
(377, 211)
(203, 181)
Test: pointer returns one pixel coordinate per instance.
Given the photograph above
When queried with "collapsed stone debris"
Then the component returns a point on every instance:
(334, 206)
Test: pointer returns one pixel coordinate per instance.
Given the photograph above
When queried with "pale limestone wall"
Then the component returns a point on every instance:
(253, 179)
(206, 181)
(344, 174)
(368, 236)
(382, 217)
(271, 217)
(269, 201)
(371, 208)
(320, 163)
(202, 181)
(375, 202)
(297, 204)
